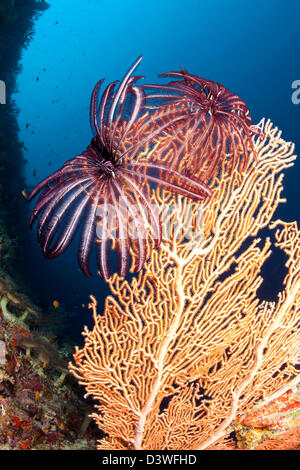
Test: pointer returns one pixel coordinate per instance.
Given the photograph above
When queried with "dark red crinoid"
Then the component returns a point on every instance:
(104, 188)
(215, 124)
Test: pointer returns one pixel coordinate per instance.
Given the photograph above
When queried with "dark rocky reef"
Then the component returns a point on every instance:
(17, 19)
(39, 405)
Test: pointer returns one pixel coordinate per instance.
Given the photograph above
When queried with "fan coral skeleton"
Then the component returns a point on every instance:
(186, 349)
(107, 177)
(218, 120)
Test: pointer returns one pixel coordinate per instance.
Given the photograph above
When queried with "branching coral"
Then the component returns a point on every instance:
(187, 347)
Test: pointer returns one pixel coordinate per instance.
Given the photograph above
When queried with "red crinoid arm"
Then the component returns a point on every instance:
(139, 99)
(193, 127)
(189, 79)
(157, 129)
(168, 87)
(122, 238)
(69, 167)
(88, 230)
(109, 113)
(170, 180)
(103, 238)
(122, 87)
(74, 169)
(153, 216)
(101, 117)
(93, 107)
(53, 223)
(129, 206)
(239, 124)
(53, 197)
(67, 233)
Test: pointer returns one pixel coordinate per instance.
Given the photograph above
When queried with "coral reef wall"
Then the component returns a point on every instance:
(16, 29)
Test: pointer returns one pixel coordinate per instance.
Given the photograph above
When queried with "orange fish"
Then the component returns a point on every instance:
(24, 193)
(55, 303)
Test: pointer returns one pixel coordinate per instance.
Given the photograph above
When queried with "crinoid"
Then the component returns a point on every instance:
(104, 189)
(216, 125)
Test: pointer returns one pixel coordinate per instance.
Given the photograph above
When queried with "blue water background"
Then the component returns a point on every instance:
(250, 47)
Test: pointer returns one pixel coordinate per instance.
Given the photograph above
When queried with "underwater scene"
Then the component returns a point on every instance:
(149, 227)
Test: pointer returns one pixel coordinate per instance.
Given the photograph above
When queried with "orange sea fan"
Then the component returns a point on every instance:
(187, 346)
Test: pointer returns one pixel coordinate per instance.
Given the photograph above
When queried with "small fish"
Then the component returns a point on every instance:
(24, 193)
(27, 125)
(37, 394)
(34, 173)
(55, 303)
(83, 305)
(37, 79)
(25, 148)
